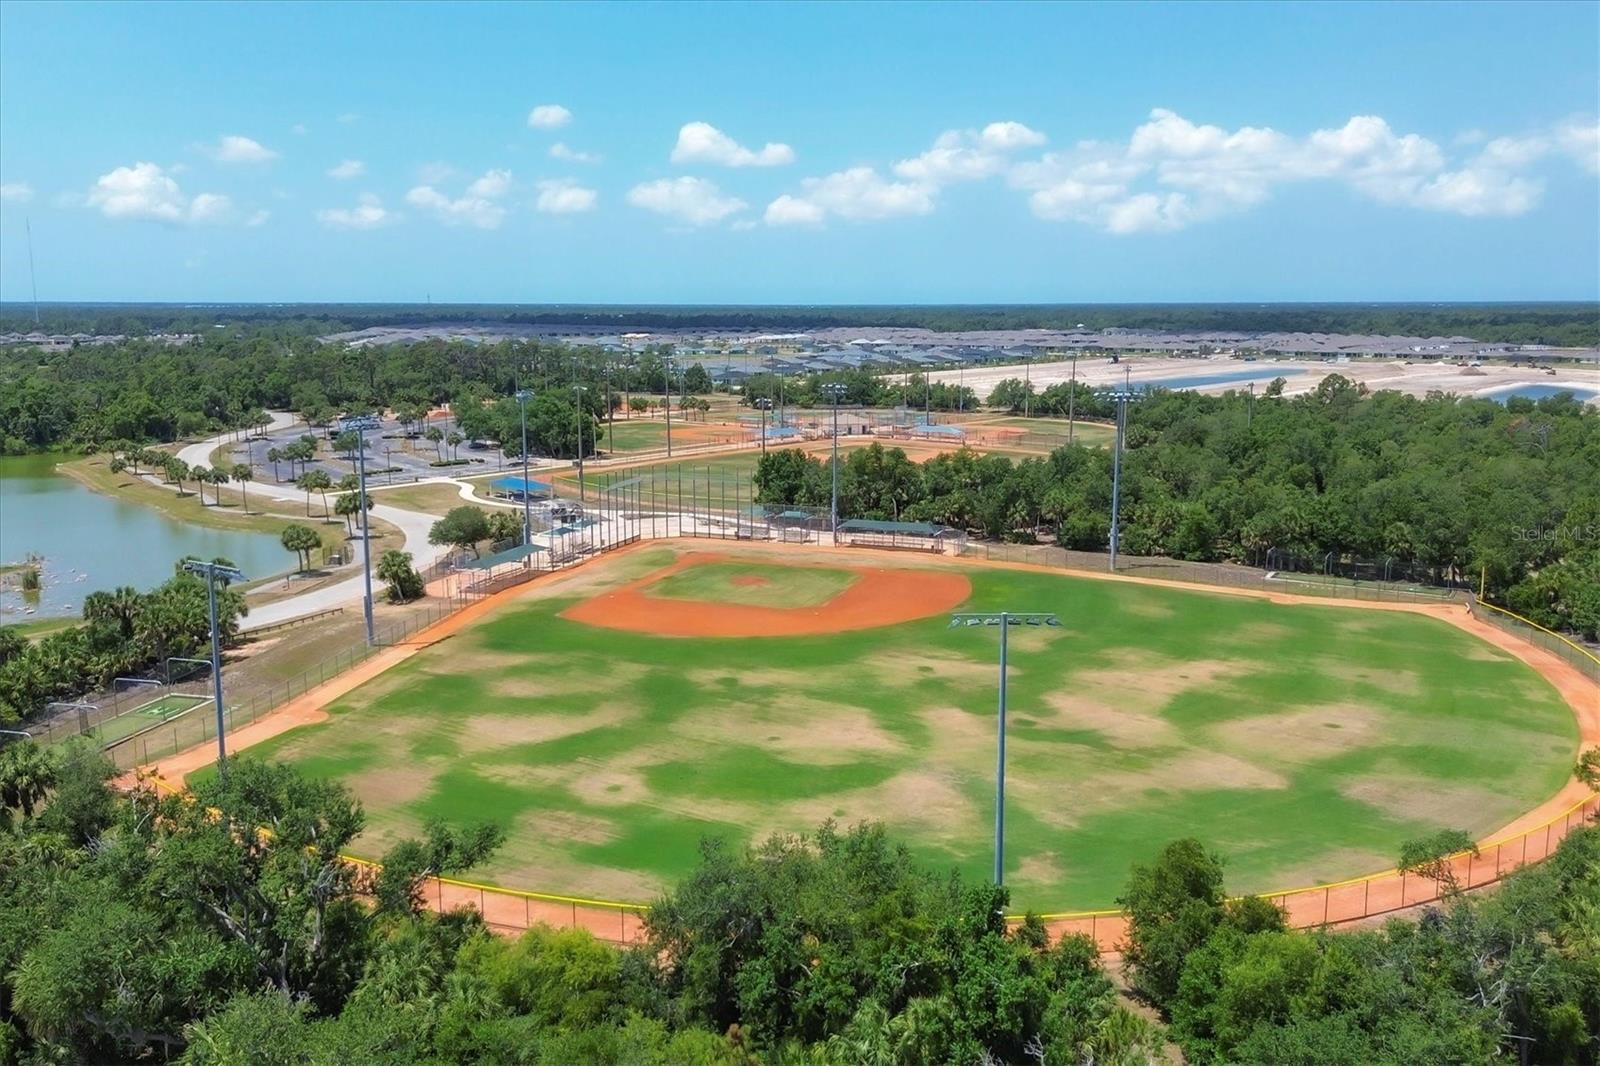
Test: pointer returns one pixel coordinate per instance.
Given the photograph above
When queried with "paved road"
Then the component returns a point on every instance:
(200, 454)
(413, 524)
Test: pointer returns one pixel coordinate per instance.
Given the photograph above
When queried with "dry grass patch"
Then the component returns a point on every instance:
(393, 786)
(1400, 682)
(800, 730)
(896, 668)
(1123, 726)
(492, 732)
(926, 801)
(1304, 735)
(1425, 800)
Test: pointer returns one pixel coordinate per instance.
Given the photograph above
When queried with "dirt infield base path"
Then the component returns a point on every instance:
(880, 596)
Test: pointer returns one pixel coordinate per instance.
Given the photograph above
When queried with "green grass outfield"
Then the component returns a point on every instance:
(1302, 742)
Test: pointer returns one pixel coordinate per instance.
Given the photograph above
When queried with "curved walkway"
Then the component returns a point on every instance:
(413, 525)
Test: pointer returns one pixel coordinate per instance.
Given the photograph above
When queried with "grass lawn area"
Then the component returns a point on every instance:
(753, 584)
(434, 499)
(1085, 433)
(633, 435)
(706, 481)
(43, 627)
(1302, 742)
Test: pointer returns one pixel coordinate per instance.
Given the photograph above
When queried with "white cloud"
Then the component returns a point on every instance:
(233, 148)
(348, 118)
(145, 190)
(1580, 139)
(493, 184)
(1007, 136)
(258, 218)
(563, 196)
(561, 151)
(858, 193)
(478, 207)
(369, 213)
(16, 192)
(695, 201)
(969, 155)
(298, 129)
(350, 168)
(549, 117)
(701, 142)
(1172, 173)
(789, 210)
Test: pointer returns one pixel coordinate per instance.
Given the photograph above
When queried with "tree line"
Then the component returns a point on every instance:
(1561, 324)
(141, 926)
(1500, 496)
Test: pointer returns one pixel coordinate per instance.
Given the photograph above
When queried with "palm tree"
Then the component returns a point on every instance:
(436, 435)
(454, 440)
(315, 481)
(177, 471)
(27, 774)
(273, 456)
(242, 473)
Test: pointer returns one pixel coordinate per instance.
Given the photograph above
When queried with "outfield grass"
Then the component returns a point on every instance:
(1302, 742)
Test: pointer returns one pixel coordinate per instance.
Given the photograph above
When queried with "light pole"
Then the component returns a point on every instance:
(1123, 397)
(1072, 397)
(835, 391)
(213, 572)
(1005, 620)
(764, 405)
(666, 400)
(366, 533)
(527, 499)
(577, 405)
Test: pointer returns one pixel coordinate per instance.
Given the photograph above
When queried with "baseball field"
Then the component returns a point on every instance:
(611, 717)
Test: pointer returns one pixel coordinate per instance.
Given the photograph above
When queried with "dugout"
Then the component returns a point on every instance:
(902, 536)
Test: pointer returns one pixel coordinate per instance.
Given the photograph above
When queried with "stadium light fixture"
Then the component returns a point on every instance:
(1004, 620)
(764, 405)
(214, 572)
(835, 391)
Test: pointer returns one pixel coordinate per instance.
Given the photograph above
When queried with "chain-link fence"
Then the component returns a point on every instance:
(1568, 649)
(1226, 575)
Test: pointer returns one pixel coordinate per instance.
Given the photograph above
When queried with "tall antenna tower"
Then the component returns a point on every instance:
(33, 281)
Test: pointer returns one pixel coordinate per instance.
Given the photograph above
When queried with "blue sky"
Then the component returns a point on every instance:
(805, 154)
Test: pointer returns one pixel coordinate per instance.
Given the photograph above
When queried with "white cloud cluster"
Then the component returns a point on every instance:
(563, 196)
(560, 150)
(694, 201)
(479, 207)
(147, 191)
(350, 168)
(16, 192)
(701, 142)
(862, 193)
(1173, 173)
(369, 213)
(549, 117)
(233, 148)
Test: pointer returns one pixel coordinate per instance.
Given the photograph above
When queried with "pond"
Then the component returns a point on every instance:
(1541, 392)
(1224, 377)
(90, 541)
